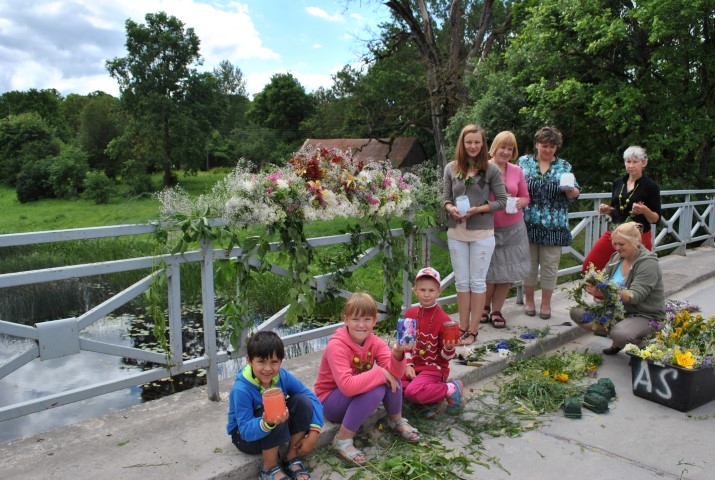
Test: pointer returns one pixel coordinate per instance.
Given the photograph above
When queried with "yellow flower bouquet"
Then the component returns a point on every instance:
(685, 340)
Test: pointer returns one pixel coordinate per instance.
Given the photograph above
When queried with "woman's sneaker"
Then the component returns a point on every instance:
(455, 402)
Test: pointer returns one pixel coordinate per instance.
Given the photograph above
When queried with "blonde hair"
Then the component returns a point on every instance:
(360, 304)
(630, 231)
(504, 139)
(461, 162)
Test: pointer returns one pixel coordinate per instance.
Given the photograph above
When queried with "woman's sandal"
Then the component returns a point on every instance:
(301, 474)
(409, 434)
(466, 335)
(486, 318)
(348, 452)
(498, 320)
(271, 474)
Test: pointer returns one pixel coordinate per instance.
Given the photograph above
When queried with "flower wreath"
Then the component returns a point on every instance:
(606, 311)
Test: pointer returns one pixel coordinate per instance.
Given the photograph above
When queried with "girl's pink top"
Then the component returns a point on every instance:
(353, 368)
(515, 187)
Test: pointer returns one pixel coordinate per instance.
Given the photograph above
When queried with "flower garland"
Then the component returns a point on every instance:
(606, 311)
(318, 184)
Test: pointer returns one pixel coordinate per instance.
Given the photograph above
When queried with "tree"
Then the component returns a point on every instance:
(100, 121)
(612, 74)
(153, 77)
(231, 79)
(46, 103)
(448, 41)
(25, 140)
(235, 96)
(389, 100)
(281, 106)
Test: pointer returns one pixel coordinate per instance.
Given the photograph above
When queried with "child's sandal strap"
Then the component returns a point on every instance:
(410, 434)
(271, 474)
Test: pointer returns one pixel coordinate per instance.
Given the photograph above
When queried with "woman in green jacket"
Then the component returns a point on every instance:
(635, 269)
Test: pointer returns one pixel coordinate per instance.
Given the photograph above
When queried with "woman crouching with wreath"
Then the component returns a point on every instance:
(638, 285)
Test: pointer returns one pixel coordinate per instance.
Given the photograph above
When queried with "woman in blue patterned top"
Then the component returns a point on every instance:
(546, 217)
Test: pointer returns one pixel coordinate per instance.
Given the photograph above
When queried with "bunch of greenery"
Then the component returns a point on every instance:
(542, 383)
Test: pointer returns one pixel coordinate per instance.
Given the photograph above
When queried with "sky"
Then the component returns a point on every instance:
(64, 44)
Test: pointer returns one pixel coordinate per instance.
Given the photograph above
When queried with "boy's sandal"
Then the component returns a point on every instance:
(486, 318)
(349, 453)
(466, 335)
(301, 473)
(271, 474)
(409, 434)
(498, 320)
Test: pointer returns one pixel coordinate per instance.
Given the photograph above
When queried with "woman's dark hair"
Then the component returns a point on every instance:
(263, 345)
(549, 136)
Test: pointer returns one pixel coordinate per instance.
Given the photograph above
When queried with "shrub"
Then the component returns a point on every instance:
(97, 187)
(67, 172)
(33, 182)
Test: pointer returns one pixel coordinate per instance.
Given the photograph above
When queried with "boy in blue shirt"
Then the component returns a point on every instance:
(252, 432)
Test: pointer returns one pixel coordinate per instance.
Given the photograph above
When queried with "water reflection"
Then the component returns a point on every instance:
(39, 378)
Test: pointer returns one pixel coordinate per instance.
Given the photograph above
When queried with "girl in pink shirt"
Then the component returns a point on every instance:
(358, 371)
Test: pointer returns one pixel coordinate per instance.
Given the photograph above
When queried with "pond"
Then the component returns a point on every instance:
(38, 378)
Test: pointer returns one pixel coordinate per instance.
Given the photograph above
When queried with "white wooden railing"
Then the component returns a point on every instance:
(688, 219)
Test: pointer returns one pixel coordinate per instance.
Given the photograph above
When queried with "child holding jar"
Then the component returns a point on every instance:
(256, 431)
(425, 380)
(359, 371)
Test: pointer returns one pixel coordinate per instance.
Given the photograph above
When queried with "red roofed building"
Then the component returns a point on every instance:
(402, 152)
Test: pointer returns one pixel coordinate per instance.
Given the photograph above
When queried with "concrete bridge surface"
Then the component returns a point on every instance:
(183, 436)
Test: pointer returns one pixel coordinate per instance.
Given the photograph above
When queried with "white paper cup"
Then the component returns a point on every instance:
(462, 204)
(511, 205)
(567, 180)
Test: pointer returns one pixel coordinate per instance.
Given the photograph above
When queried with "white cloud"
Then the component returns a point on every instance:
(320, 13)
(317, 45)
(65, 44)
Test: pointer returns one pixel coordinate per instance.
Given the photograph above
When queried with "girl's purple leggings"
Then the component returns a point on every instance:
(353, 411)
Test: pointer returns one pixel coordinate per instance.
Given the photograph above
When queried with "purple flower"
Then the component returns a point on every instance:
(655, 325)
(528, 336)
(502, 345)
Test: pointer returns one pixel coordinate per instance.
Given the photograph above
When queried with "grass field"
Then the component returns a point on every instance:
(53, 214)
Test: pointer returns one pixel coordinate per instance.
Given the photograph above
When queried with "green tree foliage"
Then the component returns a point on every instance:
(449, 37)
(25, 140)
(234, 97)
(389, 100)
(100, 121)
(154, 78)
(98, 187)
(46, 103)
(612, 74)
(66, 172)
(281, 106)
(230, 79)
(33, 181)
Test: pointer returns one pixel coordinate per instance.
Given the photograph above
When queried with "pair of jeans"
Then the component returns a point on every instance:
(470, 263)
